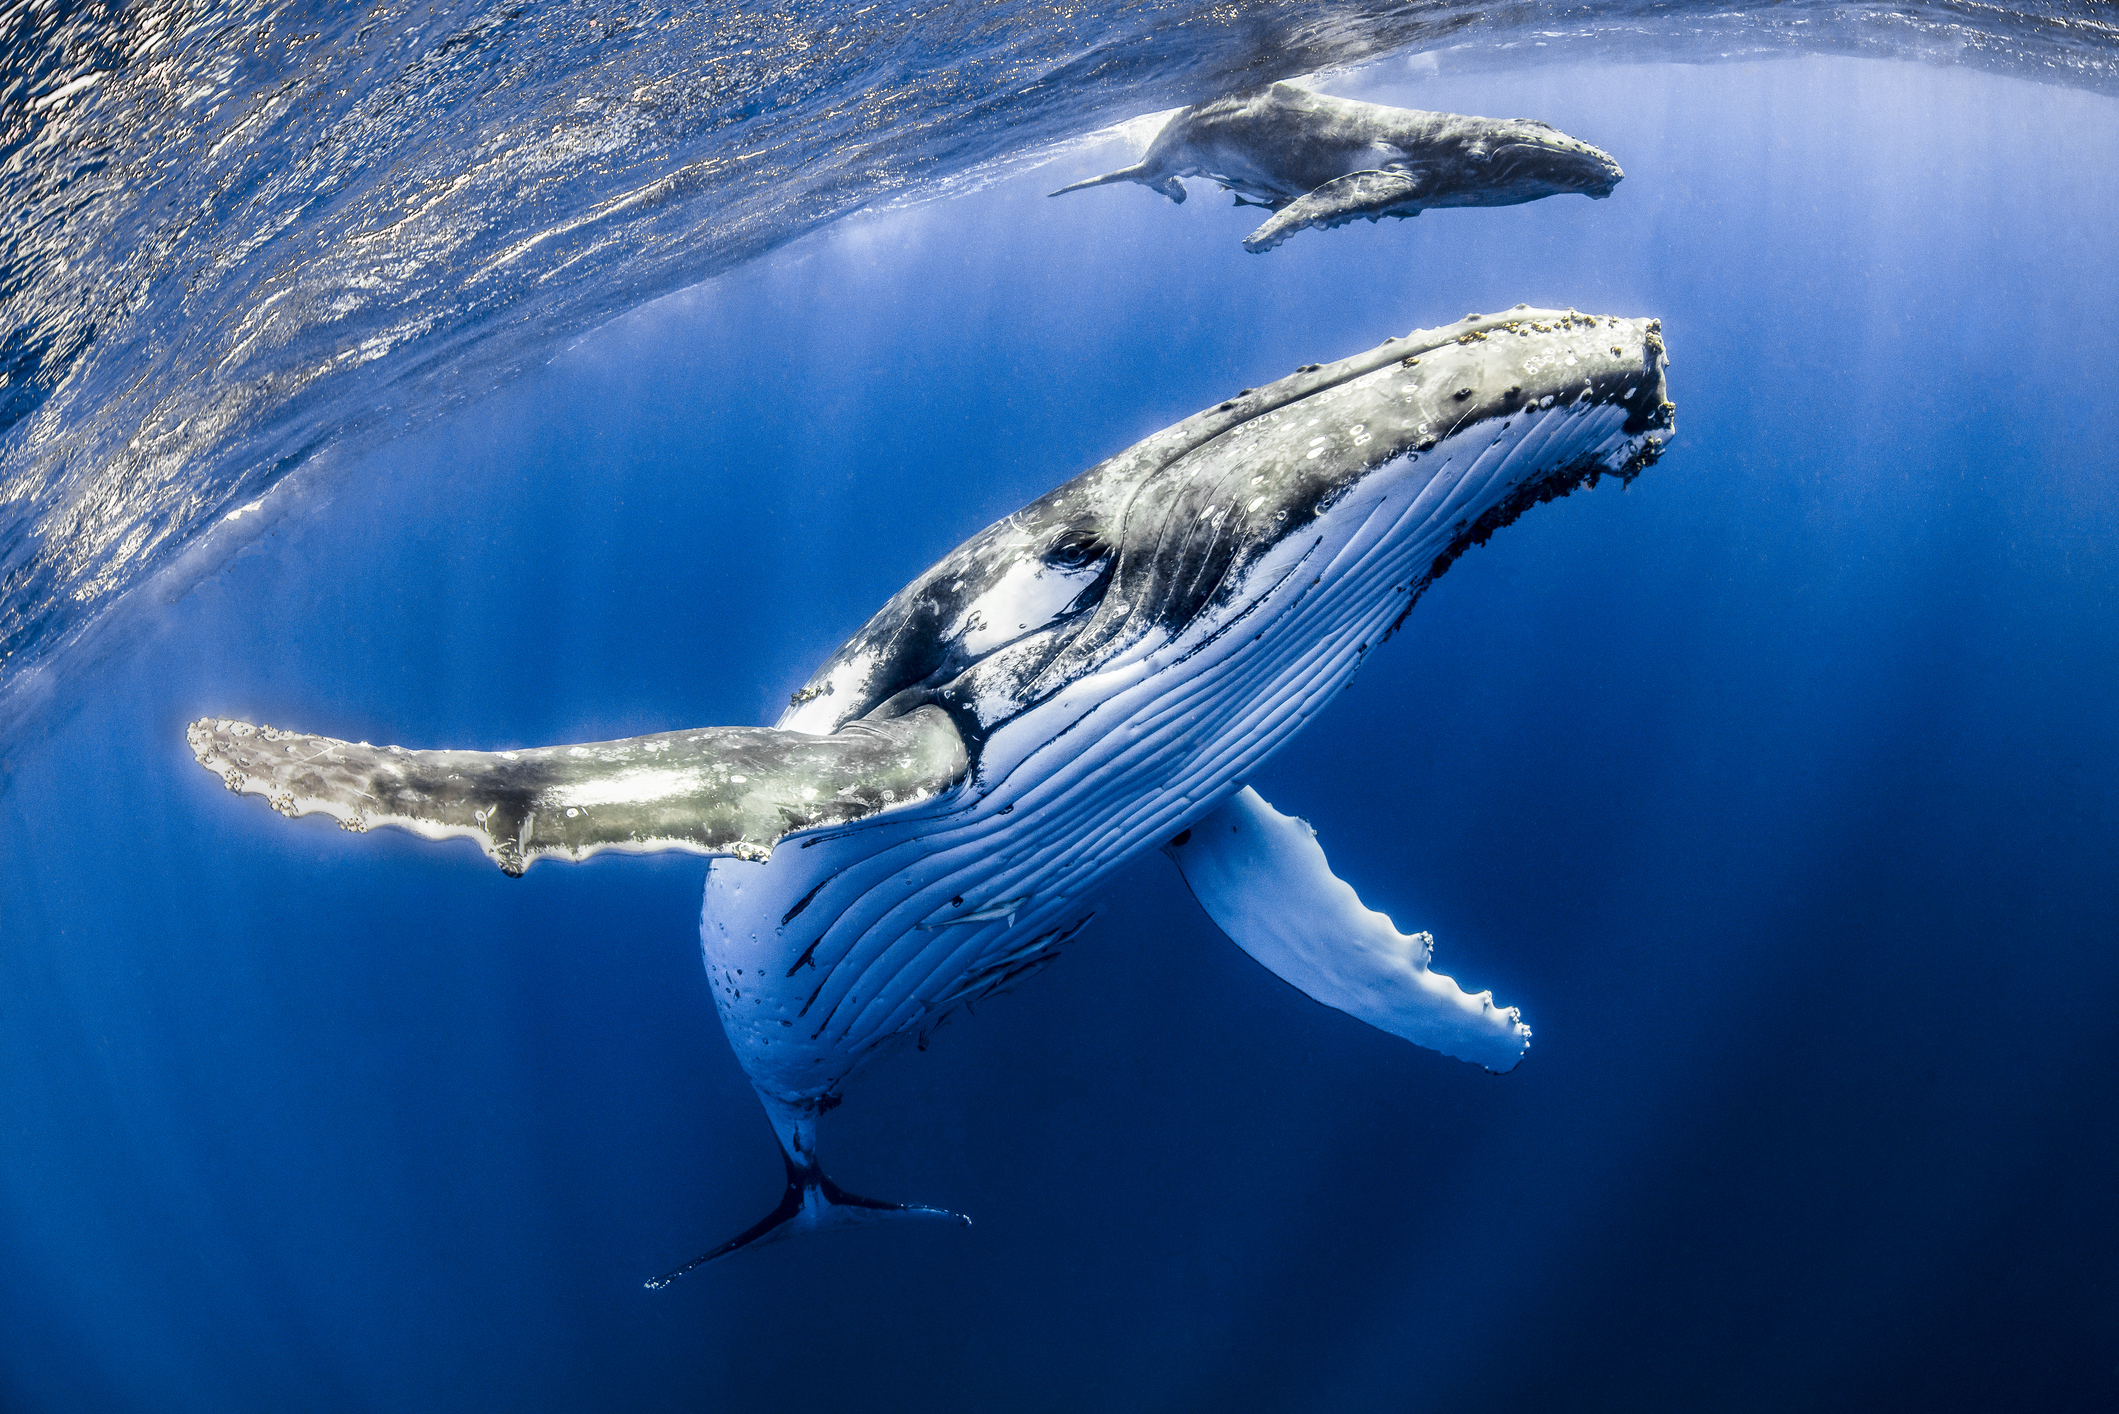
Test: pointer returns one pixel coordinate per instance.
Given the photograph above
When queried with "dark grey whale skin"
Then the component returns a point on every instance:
(1319, 161)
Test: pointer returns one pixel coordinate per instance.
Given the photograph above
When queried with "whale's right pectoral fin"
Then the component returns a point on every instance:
(1343, 199)
(712, 790)
(1263, 879)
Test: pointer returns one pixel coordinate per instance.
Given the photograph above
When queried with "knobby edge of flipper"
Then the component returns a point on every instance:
(710, 790)
(1138, 172)
(811, 1202)
(1357, 194)
(1264, 880)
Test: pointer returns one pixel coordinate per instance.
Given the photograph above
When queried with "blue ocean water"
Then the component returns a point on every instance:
(1780, 789)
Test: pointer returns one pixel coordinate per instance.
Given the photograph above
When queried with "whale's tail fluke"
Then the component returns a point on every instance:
(1138, 172)
(811, 1203)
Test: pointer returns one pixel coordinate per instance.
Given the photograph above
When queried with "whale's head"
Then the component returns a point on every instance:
(1505, 161)
(1287, 528)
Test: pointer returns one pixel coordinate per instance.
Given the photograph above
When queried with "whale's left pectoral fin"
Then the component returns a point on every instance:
(1343, 199)
(1263, 879)
(711, 790)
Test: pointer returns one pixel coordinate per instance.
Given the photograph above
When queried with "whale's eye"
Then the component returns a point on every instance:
(1075, 550)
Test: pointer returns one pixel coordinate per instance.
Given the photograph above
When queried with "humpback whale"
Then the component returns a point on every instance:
(1093, 677)
(1318, 161)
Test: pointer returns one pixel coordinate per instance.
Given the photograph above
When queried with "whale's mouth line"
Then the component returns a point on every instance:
(1565, 481)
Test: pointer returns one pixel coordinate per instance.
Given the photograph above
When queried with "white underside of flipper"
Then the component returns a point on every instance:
(1265, 882)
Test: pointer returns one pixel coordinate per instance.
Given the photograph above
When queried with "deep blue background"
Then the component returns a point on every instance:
(1780, 790)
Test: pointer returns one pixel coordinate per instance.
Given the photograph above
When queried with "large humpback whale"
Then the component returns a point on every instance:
(1090, 678)
(1319, 161)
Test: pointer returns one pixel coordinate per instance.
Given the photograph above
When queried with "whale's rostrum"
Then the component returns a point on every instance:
(1092, 677)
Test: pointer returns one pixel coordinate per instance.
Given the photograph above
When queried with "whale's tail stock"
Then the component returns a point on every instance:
(1138, 172)
(811, 1201)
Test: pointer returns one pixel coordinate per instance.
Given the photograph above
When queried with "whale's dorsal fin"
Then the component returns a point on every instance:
(1263, 879)
(1343, 199)
(1138, 172)
(712, 790)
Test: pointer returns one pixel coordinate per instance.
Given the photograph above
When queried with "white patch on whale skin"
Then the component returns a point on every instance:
(646, 783)
(819, 712)
(1028, 595)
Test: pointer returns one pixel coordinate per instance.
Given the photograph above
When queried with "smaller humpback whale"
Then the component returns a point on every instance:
(1317, 161)
(1097, 676)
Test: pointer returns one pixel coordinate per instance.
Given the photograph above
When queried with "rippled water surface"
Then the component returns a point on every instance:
(1780, 789)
